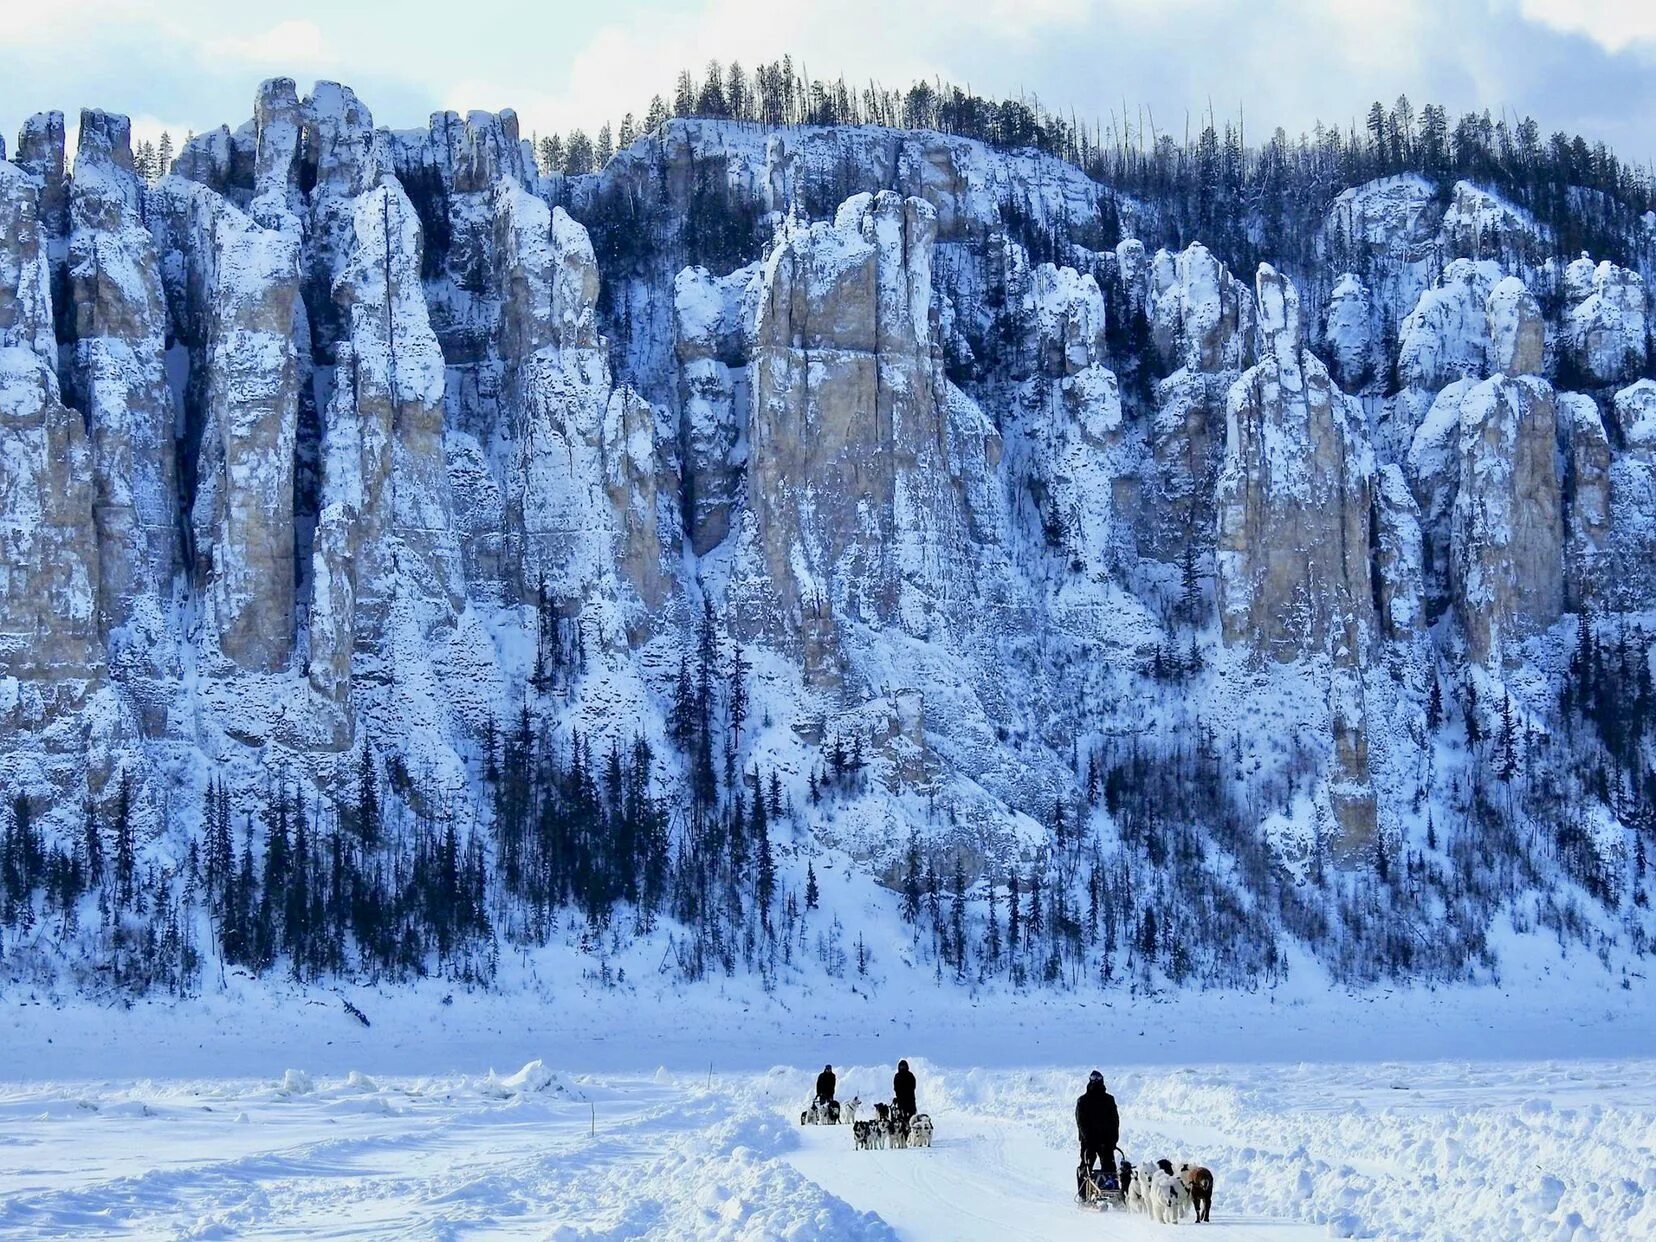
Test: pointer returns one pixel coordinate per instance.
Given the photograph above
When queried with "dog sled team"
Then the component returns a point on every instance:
(897, 1124)
(1106, 1178)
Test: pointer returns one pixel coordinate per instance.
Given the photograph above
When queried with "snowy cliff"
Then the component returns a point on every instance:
(874, 483)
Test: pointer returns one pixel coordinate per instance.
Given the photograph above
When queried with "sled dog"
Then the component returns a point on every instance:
(1138, 1189)
(1169, 1197)
(920, 1131)
(1199, 1182)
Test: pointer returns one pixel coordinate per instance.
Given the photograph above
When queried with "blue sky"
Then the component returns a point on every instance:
(1579, 65)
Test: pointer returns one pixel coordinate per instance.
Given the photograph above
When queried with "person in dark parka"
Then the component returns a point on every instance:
(826, 1083)
(902, 1090)
(1097, 1123)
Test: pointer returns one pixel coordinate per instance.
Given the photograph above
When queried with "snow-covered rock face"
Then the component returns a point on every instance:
(119, 382)
(1386, 232)
(1201, 316)
(1348, 334)
(1507, 540)
(712, 322)
(1486, 468)
(1294, 499)
(25, 273)
(350, 420)
(1517, 337)
(1446, 336)
(1605, 335)
(1295, 505)
(1481, 225)
(565, 445)
(49, 638)
(846, 440)
(384, 457)
(344, 158)
(1587, 511)
(1201, 323)
(278, 126)
(1398, 556)
(1633, 497)
(252, 419)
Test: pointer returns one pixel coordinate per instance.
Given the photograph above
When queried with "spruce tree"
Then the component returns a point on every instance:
(991, 931)
(957, 915)
(911, 880)
(126, 852)
(1508, 767)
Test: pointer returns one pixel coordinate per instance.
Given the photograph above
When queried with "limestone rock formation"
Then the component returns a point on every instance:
(1517, 336)
(1201, 317)
(252, 414)
(1398, 557)
(51, 650)
(1632, 575)
(1446, 336)
(1387, 232)
(1605, 336)
(1295, 513)
(386, 542)
(850, 491)
(1294, 499)
(1587, 501)
(119, 381)
(1202, 323)
(1482, 225)
(1507, 540)
(1348, 334)
(563, 442)
(1082, 455)
(712, 322)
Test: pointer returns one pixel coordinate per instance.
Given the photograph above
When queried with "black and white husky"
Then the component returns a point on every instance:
(920, 1131)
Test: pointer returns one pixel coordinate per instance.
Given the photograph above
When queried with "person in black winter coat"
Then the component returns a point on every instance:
(902, 1090)
(826, 1083)
(1097, 1123)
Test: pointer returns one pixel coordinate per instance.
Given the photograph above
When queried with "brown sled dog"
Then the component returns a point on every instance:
(1200, 1184)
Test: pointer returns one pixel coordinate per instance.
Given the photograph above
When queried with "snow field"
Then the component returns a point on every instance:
(528, 1155)
(1431, 1151)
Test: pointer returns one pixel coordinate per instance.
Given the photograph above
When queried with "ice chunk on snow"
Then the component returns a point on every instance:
(532, 1078)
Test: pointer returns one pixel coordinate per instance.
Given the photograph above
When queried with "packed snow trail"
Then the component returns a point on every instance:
(985, 1179)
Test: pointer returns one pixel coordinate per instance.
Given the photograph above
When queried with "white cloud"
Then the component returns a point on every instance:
(1614, 25)
(36, 24)
(290, 46)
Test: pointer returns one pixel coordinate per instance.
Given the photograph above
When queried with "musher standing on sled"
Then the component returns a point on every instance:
(1098, 1124)
(826, 1082)
(902, 1091)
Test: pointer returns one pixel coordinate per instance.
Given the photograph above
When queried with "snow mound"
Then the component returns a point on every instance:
(532, 1079)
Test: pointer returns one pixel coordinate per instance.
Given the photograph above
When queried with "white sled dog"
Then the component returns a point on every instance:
(1169, 1196)
(920, 1131)
(851, 1107)
(1138, 1189)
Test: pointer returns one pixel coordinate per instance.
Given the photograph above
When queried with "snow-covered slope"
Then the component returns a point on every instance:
(405, 548)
